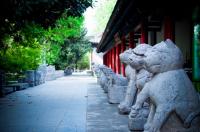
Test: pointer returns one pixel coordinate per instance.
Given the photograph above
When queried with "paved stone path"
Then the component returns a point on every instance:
(102, 116)
(62, 105)
(56, 106)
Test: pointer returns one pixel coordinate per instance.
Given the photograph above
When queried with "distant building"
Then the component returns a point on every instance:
(96, 58)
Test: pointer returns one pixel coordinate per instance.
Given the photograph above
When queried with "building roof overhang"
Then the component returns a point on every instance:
(129, 14)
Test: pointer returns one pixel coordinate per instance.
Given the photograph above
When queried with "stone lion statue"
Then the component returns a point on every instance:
(116, 85)
(104, 78)
(170, 91)
(96, 70)
(135, 73)
(116, 79)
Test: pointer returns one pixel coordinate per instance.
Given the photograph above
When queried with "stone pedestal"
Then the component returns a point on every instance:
(103, 81)
(43, 70)
(59, 73)
(50, 74)
(38, 76)
(30, 77)
(137, 123)
(116, 94)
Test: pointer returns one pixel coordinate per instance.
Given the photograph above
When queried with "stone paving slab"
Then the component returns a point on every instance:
(102, 116)
(56, 106)
(62, 105)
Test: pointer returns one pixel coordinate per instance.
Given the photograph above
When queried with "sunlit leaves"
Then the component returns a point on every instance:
(19, 58)
(62, 45)
(65, 28)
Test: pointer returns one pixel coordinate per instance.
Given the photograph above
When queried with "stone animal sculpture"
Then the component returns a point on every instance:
(116, 85)
(115, 79)
(96, 70)
(103, 79)
(125, 106)
(170, 90)
(135, 73)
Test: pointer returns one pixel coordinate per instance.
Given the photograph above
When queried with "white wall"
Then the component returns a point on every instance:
(97, 58)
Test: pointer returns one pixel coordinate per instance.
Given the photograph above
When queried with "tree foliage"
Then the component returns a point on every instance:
(100, 15)
(67, 43)
(15, 14)
(83, 63)
(61, 45)
(72, 51)
(20, 56)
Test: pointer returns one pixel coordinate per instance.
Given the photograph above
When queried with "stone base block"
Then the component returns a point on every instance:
(137, 123)
(124, 109)
(105, 88)
(31, 84)
(116, 94)
(7, 90)
(21, 86)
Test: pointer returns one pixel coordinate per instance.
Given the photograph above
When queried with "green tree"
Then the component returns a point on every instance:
(20, 56)
(84, 63)
(102, 11)
(56, 45)
(72, 51)
(15, 14)
(65, 42)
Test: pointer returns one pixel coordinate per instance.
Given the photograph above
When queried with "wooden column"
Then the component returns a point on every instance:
(131, 40)
(105, 59)
(144, 34)
(113, 59)
(118, 48)
(110, 58)
(123, 48)
(169, 28)
(107, 56)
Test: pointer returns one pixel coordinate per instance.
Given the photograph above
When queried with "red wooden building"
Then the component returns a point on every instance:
(138, 21)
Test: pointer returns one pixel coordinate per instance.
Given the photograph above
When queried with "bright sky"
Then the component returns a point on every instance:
(90, 23)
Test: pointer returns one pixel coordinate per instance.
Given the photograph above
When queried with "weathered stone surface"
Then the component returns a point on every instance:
(125, 105)
(50, 73)
(116, 93)
(56, 106)
(136, 75)
(104, 82)
(137, 123)
(170, 91)
(38, 77)
(43, 71)
(116, 85)
(96, 70)
(103, 79)
(102, 116)
(59, 73)
(20, 86)
(30, 77)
